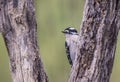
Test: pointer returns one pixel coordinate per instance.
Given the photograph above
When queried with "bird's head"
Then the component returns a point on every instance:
(70, 31)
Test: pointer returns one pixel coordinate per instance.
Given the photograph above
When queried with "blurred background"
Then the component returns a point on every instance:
(52, 17)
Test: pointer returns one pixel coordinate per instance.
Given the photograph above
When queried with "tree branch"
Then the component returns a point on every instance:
(18, 26)
(97, 42)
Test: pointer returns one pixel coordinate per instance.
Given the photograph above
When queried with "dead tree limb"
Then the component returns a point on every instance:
(97, 41)
(18, 27)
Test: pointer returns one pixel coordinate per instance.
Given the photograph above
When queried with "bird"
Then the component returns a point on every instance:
(71, 37)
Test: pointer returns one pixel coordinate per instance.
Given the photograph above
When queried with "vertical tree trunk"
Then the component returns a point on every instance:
(97, 41)
(18, 27)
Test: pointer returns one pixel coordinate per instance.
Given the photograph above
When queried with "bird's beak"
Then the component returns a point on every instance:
(63, 31)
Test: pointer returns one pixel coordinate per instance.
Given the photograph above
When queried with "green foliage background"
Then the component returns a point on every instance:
(52, 17)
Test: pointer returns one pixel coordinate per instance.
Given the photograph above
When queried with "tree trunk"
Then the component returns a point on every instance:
(18, 27)
(97, 41)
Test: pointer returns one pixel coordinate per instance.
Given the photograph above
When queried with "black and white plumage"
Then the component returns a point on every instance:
(71, 36)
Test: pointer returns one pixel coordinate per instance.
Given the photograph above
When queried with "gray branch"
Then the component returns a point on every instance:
(97, 42)
(18, 27)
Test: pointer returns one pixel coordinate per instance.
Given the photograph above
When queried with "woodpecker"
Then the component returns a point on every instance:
(71, 36)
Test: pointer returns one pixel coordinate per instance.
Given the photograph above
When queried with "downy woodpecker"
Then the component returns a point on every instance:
(71, 36)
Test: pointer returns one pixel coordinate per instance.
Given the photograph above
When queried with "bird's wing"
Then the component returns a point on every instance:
(68, 53)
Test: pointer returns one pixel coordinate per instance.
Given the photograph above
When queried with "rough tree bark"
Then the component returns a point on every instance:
(18, 27)
(97, 41)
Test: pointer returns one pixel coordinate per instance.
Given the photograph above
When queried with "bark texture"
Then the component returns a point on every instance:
(18, 27)
(97, 41)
